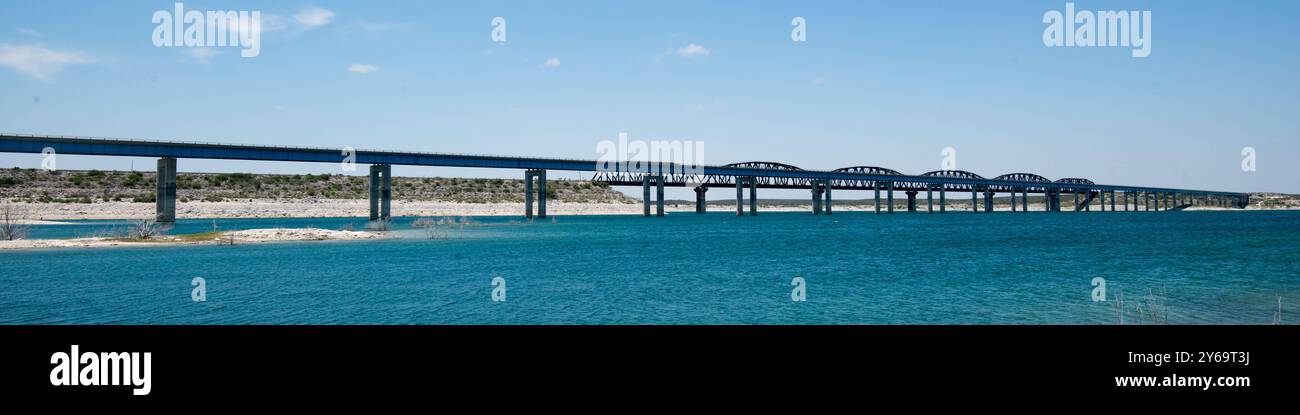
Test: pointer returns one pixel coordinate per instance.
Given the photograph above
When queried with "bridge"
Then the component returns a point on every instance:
(741, 176)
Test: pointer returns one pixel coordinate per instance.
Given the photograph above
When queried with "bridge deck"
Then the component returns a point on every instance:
(712, 176)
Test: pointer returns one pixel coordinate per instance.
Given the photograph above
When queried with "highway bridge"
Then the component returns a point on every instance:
(741, 176)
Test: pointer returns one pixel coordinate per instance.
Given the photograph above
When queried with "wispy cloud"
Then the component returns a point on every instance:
(203, 55)
(551, 63)
(37, 61)
(692, 50)
(312, 17)
(378, 27)
(362, 68)
(716, 105)
(29, 32)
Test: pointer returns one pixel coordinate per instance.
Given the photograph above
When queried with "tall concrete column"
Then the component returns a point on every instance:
(974, 200)
(541, 194)
(1112, 200)
(911, 201)
(988, 200)
(645, 195)
(753, 196)
(374, 193)
(1102, 199)
(827, 206)
(700, 202)
(165, 195)
(877, 186)
(815, 189)
(929, 199)
(890, 186)
(659, 195)
(1125, 201)
(740, 196)
(528, 194)
(386, 193)
(943, 203)
(1076, 200)
(1013, 199)
(1024, 200)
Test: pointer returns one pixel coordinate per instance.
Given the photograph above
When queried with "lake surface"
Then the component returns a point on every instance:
(859, 268)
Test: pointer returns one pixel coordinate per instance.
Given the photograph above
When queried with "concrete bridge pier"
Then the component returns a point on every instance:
(753, 196)
(658, 181)
(929, 199)
(645, 195)
(700, 202)
(816, 197)
(974, 200)
(740, 195)
(1112, 200)
(165, 196)
(911, 201)
(1024, 200)
(877, 187)
(540, 176)
(659, 195)
(541, 194)
(943, 204)
(988, 201)
(374, 193)
(827, 205)
(381, 192)
(1013, 199)
(891, 196)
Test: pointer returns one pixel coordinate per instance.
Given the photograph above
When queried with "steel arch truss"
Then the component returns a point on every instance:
(1085, 184)
(1025, 183)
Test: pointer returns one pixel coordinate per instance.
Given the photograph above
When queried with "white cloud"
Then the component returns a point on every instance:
(37, 61)
(313, 17)
(29, 32)
(378, 27)
(203, 55)
(362, 68)
(692, 50)
(270, 23)
(552, 63)
(716, 105)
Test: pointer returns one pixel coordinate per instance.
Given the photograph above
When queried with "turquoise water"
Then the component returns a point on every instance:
(955, 268)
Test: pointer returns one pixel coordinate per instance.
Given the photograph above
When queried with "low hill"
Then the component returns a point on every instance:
(69, 186)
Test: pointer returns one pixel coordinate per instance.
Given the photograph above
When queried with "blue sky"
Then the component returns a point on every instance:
(876, 83)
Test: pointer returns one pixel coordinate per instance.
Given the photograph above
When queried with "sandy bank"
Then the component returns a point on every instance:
(238, 237)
